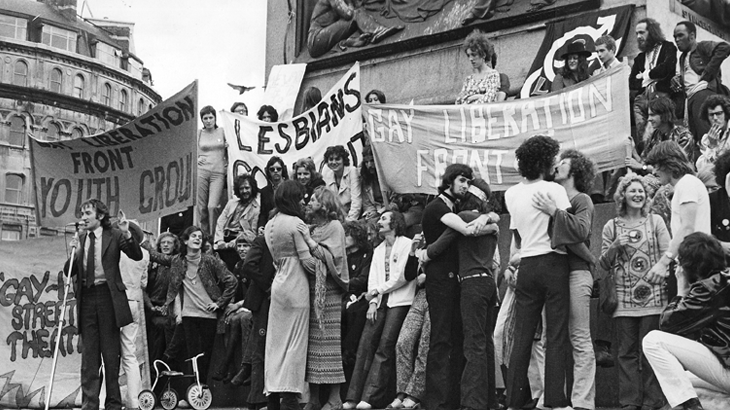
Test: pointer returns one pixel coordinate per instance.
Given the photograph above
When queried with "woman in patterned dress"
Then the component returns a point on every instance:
(325, 238)
(632, 243)
(483, 86)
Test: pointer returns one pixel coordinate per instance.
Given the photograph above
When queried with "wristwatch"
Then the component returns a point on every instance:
(644, 167)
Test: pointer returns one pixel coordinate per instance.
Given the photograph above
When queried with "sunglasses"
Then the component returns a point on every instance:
(275, 169)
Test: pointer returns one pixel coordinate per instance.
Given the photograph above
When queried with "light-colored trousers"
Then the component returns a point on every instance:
(670, 355)
(129, 362)
(584, 359)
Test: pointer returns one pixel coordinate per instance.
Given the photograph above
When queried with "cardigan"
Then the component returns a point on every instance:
(400, 290)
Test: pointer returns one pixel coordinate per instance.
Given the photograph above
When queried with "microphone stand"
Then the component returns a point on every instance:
(62, 319)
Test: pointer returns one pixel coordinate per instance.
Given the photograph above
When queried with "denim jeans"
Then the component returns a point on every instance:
(412, 349)
(584, 360)
(478, 388)
(637, 384)
(209, 197)
(542, 281)
(670, 355)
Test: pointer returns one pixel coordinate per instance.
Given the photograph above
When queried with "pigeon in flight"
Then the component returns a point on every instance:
(240, 88)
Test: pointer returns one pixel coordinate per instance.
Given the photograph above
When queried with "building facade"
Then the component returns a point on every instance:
(61, 77)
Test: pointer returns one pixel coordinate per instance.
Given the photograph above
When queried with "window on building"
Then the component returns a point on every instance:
(140, 107)
(20, 74)
(13, 27)
(11, 232)
(59, 38)
(14, 189)
(108, 54)
(16, 133)
(48, 232)
(106, 94)
(123, 100)
(77, 133)
(56, 81)
(79, 86)
(53, 133)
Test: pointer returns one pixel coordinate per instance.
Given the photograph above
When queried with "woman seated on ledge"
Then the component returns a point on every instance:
(695, 326)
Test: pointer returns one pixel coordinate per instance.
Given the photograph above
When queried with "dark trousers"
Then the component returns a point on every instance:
(375, 365)
(200, 337)
(542, 280)
(100, 341)
(478, 387)
(257, 347)
(637, 383)
(445, 361)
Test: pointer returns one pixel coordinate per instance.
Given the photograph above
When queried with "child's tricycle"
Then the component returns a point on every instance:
(198, 395)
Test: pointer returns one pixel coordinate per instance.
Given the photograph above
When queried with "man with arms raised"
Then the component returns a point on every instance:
(101, 300)
(543, 277)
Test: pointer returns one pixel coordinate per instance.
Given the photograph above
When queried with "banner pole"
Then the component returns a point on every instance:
(62, 320)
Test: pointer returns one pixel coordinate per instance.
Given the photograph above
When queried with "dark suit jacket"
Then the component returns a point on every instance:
(112, 243)
(706, 62)
(259, 268)
(663, 71)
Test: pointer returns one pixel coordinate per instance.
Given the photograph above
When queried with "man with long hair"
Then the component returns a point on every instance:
(445, 357)
(572, 228)
(690, 203)
(544, 274)
(652, 71)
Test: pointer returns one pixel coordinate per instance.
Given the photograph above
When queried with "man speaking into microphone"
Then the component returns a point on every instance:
(101, 300)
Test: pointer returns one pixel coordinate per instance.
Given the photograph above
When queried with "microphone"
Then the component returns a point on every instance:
(74, 224)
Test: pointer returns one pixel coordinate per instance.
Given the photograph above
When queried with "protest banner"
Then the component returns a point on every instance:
(412, 145)
(283, 78)
(31, 299)
(336, 120)
(586, 28)
(147, 168)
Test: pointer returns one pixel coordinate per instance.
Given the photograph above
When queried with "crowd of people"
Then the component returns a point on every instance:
(337, 294)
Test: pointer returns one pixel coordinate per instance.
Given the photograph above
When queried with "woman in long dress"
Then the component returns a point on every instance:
(288, 327)
(326, 241)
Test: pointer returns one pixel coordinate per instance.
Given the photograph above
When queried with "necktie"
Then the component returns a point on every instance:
(90, 258)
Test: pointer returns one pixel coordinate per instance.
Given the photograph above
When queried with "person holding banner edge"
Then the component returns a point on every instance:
(343, 180)
(212, 165)
(101, 299)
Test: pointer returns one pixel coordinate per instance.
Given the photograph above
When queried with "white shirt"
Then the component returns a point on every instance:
(530, 222)
(98, 267)
(689, 189)
(134, 274)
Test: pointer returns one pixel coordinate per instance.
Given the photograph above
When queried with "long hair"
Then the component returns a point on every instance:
(654, 30)
(208, 109)
(664, 108)
(581, 168)
(273, 160)
(580, 74)
(312, 97)
(359, 232)
(186, 235)
(397, 222)
(238, 183)
(308, 164)
(536, 156)
(102, 211)
(619, 196)
(288, 197)
(271, 110)
(452, 172)
(331, 207)
(701, 255)
(175, 242)
(669, 156)
(366, 177)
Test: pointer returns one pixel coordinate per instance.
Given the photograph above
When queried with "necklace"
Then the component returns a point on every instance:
(194, 278)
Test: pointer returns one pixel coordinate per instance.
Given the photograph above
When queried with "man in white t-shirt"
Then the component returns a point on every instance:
(543, 275)
(690, 203)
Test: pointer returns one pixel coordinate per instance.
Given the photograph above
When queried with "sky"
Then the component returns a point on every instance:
(214, 41)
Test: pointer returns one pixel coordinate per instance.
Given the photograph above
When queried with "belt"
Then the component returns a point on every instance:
(475, 275)
(95, 285)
